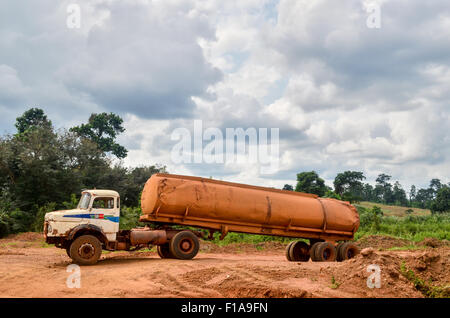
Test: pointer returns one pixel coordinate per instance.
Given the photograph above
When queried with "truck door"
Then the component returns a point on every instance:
(105, 214)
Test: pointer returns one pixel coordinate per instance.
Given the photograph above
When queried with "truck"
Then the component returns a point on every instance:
(179, 210)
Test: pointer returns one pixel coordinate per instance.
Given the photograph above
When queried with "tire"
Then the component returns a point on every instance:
(164, 251)
(347, 251)
(184, 245)
(299, 252)
(288, 247)
(325, 252)
(68, 250)
(338, 252)
(85, 250)
(312, 251)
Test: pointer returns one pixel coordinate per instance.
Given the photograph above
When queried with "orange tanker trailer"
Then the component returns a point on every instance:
(188, 202)
(232, 207)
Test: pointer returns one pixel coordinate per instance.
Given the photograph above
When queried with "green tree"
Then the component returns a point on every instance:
(442, 202)
(32, 118)
(332, 194)
(399, 194)
(349, 185)
(288, 187)
(42, 169)
(375, 217)
(368, 193)
(423, 198)
(310, 182)
(103, 129)
(384, 188)
(435, 186)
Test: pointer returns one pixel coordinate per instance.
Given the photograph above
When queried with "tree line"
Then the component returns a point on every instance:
(350, 186)
(44, 169)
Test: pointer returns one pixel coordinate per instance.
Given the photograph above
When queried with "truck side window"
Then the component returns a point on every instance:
(103, 203)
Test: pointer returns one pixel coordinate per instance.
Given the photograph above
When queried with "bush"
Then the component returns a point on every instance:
(5, 224)
(38, 223)
(129, 217)
(414, 228)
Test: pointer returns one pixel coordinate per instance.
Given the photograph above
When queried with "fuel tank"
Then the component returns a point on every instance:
(227, 206)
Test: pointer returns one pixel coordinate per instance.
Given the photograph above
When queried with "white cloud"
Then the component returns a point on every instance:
(344, 96)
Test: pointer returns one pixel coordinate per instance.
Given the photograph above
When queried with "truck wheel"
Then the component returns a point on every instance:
(184, 245)
(348, 250)
(299, 252)
(312, 251)
(338, 251)
(288, 247)
(325, 252)
(68, 250)
(85, 250)
(164, 251)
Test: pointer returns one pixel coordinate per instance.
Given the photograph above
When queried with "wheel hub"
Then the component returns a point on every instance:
(186, 246)
(86, 250)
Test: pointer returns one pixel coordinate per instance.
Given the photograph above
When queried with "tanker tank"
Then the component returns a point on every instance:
(234, 207)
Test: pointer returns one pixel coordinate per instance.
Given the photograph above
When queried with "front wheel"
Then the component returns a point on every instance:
(184, 245)
(85, 250)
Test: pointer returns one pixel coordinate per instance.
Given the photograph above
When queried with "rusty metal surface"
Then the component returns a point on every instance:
(156, 237)
(229, 207)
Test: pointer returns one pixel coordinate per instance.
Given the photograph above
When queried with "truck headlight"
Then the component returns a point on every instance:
(49, 229)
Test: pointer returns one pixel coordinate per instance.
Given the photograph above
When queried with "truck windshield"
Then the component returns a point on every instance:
(84, 201)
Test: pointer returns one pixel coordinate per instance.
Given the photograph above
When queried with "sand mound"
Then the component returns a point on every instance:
(400, 274)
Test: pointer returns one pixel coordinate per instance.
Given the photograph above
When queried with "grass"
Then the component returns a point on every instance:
(413, 228)
(334, 283)
(425, 288)
(407, 248)
(394, 210)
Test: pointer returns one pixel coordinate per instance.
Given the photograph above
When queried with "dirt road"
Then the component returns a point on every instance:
(27, 269)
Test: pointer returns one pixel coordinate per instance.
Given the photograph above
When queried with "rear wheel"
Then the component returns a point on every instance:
(338, 251)
(299, 252)
(288, 247)
(164, 251)
(325, 252)
(184, 245)
(348, 250)
(85, 250)
(312, 251)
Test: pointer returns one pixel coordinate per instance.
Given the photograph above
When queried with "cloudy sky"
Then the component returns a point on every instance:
(344, 96)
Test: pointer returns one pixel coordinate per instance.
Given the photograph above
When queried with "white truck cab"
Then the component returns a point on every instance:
(100, 208)
(94, 226)
(97, 214)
